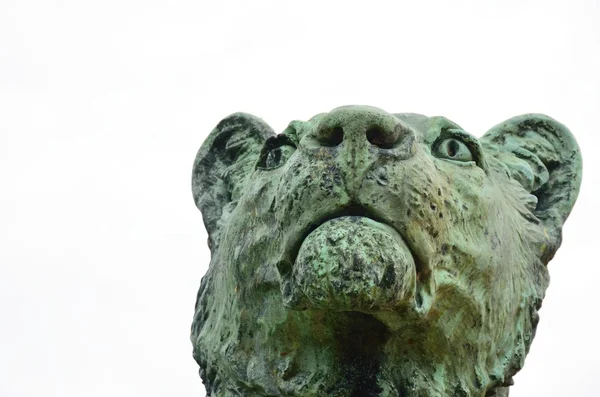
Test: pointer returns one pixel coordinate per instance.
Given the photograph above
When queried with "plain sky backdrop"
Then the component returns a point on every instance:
(103, 105)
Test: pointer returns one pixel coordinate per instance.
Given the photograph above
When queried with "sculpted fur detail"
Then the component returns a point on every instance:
(363, 253)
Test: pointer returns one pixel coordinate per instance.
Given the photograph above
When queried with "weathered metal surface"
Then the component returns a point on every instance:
(363, 253)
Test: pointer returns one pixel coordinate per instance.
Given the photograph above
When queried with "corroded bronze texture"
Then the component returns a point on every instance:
(363, 253)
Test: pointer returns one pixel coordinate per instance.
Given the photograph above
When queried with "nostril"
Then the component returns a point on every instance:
(332, 136)
(375, 135)
(379, 137)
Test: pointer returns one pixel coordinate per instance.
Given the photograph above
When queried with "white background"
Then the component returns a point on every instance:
(103, 105)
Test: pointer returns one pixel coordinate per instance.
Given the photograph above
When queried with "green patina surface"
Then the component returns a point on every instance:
(363, 253)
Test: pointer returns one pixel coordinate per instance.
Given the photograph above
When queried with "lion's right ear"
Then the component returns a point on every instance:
(222, 164)
(542, 155)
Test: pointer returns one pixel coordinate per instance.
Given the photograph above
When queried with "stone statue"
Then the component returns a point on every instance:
(363, 253)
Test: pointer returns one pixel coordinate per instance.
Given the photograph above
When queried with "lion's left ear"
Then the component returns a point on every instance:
(221, 167)
(543, 156)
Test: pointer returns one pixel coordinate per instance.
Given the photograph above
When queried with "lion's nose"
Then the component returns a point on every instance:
(363, 125)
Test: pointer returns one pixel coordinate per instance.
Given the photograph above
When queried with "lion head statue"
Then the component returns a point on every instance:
(363, 253)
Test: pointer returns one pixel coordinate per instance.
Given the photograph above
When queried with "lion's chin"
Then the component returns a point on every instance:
(351, 263)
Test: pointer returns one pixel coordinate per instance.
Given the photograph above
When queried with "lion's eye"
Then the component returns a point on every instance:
(278, 156)
(275, 153)
(453, 149)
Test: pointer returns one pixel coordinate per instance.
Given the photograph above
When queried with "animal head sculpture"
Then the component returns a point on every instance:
(363, 253)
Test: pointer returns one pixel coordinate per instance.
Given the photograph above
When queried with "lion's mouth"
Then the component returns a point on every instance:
(353, 210)
(349, 260)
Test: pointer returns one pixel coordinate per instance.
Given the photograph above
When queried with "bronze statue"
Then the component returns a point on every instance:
(363, 253)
